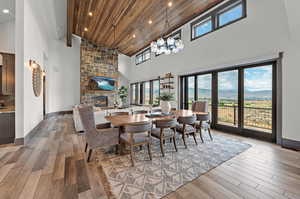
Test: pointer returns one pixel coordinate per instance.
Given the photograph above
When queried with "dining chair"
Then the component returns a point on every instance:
(96, 138)
(203, 121)
(119, 113)
(187, 127)
(137, 134)
(165, 129)
(140, 112)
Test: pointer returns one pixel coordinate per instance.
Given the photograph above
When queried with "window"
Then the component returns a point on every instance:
(143, 56)
(230, 14)
(202, 28)
(225, 14)
(145, 92)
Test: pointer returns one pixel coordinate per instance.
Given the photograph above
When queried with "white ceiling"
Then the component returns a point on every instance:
(7, 4)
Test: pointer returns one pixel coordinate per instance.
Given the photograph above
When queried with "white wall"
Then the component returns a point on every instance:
(7, 37)
(262, 35)
(63, 76)
(124, 67)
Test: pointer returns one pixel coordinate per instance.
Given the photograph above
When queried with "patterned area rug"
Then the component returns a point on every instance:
(156, 178)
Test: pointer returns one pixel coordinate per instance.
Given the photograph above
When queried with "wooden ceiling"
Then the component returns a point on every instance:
(130, 17)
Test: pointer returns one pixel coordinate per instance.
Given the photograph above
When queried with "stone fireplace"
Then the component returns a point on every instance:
(97, 61)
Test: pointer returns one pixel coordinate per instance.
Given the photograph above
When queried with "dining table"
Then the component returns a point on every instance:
(122, 120)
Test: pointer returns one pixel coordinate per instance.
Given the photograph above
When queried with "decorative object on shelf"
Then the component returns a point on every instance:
(165, 99)
(123, 94)
(37, 75)
(167, 44)
(167, 82)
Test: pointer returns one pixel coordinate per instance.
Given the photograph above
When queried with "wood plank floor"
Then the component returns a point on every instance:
(53, 165)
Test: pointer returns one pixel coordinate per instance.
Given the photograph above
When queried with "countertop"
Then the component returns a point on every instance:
(7, 109)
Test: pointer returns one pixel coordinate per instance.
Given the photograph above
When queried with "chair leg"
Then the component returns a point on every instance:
(174, 141)
(89, 155)
(131, 155)
(200, 131)
(86, 146)
(183, 138)
(209, 133)
(149, 151)
(141, 147)
(194, 135)
(162, 147)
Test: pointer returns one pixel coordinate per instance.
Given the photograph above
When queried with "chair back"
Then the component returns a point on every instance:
(140, 112)
(119, 113)
(87, 117)
(203, 117)
(138, 127)
(200, 106)
(187, 120)
(166, 123)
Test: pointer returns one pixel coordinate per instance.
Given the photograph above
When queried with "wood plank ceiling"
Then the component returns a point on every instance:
(131, 19)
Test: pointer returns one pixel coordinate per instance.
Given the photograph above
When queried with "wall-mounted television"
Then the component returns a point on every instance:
(102, 83)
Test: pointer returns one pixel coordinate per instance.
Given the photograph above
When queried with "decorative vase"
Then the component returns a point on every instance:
(165, 106)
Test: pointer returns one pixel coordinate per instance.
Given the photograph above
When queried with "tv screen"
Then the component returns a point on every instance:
(102, 83)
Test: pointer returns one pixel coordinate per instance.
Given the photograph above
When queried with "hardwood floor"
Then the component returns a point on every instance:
(53, 165)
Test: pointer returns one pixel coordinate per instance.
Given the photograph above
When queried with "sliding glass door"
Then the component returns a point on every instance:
(228, 98)
(257, 100)
(241, 99)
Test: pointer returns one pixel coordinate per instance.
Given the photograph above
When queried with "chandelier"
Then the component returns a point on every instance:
(165, 44)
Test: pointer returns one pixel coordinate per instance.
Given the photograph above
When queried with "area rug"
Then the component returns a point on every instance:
(156, 178)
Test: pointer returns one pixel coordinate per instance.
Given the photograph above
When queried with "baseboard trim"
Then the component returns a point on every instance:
(48, 115)
(19, 141)
(291, 144)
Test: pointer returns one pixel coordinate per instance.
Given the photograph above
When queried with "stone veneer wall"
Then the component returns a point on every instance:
(96, 61)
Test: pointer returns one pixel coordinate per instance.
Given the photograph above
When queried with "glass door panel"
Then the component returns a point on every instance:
(228, 98)
(146, 92)
(191, 91)
(257, 107)
(204, 88)
(156, 92)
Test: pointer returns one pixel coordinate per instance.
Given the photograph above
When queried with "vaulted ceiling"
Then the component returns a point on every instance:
(130, 19)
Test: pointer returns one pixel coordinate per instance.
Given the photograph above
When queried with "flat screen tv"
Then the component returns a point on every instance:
(102, 83)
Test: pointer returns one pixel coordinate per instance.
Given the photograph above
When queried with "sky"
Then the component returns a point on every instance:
(256, 79)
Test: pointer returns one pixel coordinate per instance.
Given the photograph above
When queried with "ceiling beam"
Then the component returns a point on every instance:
(70, 21)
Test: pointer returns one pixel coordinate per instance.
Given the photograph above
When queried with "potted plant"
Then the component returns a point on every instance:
(165, 99)
(123, 94)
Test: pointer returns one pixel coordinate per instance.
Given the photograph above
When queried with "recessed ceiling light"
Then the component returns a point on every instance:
(170, 4)
(90, 14)
(133, 36)
(86, 29)
(150, 21)
(6, 11)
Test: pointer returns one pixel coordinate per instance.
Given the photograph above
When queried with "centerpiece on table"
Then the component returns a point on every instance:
(165, 99)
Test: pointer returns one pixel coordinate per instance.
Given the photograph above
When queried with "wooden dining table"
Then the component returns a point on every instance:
(122, 120)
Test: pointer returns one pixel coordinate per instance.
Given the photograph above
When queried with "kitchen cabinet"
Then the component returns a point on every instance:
(7, 74)
(7, 126)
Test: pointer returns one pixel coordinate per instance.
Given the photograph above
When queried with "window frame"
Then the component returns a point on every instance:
(143, 53)
(215, 13)
(140, 92)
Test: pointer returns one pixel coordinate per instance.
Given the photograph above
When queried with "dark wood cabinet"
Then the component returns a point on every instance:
(7, 74)
(7, 126)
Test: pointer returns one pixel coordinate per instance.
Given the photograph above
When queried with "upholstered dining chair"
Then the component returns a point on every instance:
(140, 112)
(203, 121)
(96, 138)
(137, 134)
(186, 127)
(165, 129)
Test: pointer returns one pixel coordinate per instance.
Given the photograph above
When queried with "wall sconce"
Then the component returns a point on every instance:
(32, 64)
